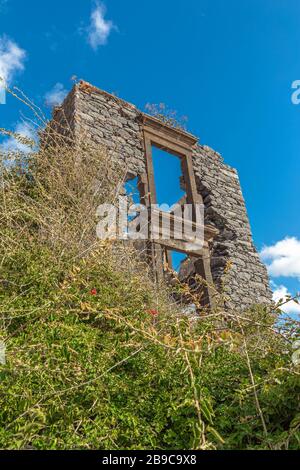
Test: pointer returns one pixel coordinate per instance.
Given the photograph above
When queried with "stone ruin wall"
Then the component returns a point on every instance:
(107, 120)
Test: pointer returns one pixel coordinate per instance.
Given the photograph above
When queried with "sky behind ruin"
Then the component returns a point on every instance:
(226, 65)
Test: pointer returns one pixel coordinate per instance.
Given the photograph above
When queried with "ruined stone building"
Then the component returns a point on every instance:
(129, 136)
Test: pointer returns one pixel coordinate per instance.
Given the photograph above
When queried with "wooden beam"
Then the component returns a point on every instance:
(174, 134)
(203, 268)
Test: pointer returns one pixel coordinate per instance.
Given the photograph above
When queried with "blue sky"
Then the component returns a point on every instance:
(227, 65)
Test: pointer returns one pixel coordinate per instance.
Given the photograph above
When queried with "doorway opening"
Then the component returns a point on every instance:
(169, 182)
(132, 190)
(174, 259)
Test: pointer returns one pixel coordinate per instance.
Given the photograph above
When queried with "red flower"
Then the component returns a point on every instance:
(153, 312)
(93, 292)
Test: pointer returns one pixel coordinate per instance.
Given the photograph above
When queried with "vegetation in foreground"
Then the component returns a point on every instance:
(97, 356)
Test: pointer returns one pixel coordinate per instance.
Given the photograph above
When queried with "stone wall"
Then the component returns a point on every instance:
(246, 280)
(107, 120)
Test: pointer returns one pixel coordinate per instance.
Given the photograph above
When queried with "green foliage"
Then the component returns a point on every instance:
(65, 386)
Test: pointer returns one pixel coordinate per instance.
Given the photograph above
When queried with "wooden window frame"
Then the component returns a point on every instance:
(175, 142)
(179, 143)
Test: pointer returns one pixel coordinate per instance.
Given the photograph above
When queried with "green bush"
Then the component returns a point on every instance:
(100, 371)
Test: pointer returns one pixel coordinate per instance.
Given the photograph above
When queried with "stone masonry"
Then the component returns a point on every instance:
(107, 120)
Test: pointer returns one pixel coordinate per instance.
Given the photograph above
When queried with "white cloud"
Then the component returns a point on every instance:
(99, 28)
(12, 58)
(283, 257)
(281, 294)
(13, 145)
(56, 96)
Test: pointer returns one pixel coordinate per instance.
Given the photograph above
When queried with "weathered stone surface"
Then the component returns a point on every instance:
(226, 209)
(108, 120)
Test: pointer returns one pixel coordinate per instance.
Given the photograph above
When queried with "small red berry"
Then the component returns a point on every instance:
(93, 292)
(153, 312)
